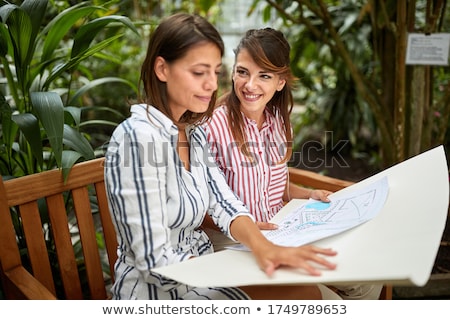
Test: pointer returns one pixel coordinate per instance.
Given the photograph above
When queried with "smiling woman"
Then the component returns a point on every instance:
(251, 136)
(250, 131)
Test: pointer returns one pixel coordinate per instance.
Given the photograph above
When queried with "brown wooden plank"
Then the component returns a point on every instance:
(51, 182)
(315, 180)
(109, 233)
(37, 250)
(64, 249)
(25, 286)
(9, 251)
(89, 243)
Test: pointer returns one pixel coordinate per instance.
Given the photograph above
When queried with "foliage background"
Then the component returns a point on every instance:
(345, 54)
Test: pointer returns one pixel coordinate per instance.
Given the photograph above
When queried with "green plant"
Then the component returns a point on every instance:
(42, 63)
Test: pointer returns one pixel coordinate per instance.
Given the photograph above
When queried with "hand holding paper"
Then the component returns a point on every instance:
(270, 256)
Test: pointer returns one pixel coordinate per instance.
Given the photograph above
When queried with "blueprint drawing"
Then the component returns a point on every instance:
(316, 220)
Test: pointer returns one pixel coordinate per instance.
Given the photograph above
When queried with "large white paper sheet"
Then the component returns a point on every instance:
(398, 246)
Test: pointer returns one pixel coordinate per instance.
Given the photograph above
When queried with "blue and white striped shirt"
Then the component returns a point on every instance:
(157, 205)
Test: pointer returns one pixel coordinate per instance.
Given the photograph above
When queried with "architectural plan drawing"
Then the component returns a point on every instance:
(316, 220)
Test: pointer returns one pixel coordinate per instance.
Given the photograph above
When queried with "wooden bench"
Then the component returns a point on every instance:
(57, 239)
(45, 232)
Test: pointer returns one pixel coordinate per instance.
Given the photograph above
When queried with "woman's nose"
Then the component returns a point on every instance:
(211, 83)
(250, 84)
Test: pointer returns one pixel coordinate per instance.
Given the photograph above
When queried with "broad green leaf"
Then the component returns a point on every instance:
(98, 82)
(108, 109)
(36, 10)
(29, 126)
(6, 10)
(75, 115)
(9, 128)
(76, 60)
(76, 141)
(99, 122)
(69, 158)
(61, 25)
(50, 110)
(89, 31)
(267, 13)
(4, 40)
(20, 29)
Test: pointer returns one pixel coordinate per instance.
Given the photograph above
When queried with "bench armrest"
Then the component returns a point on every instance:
(25, 286)
(316, 181)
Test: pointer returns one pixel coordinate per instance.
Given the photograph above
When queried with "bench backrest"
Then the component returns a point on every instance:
(53, 230)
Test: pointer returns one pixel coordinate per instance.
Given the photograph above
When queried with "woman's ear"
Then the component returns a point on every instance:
(233, 72)
(281, 84)
(160, 68)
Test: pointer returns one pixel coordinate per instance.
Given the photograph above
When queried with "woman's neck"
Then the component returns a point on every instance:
(183, 147)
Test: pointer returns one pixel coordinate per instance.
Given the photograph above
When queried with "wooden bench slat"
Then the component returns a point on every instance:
(109, 233)
(37, 250)
(89, 243)
(52, 182)
(64, 248)
(10, 257)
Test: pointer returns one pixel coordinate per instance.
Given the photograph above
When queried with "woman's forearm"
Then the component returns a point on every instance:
(245, 230)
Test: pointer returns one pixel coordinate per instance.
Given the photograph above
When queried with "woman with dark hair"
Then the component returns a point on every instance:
(161, 182)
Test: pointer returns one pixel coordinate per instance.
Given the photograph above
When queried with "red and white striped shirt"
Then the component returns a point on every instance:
(259, 181)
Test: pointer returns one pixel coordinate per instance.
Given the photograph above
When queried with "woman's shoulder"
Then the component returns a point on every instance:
(148, 123)
(220, 114)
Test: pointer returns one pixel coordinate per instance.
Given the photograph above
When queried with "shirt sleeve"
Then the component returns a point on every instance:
(224, 205)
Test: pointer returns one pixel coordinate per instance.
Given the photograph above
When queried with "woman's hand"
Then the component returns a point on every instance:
(270, 257)
(266, 225)
(322, 195)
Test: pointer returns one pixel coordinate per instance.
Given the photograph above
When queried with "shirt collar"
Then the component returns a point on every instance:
(269, 119)
(156, 117)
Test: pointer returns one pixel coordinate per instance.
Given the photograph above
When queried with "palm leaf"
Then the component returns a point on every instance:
(89, 31)
(50, 110)
(76, 60)
(29, 126)
(60, 26)
(98, 82)
(76, 141)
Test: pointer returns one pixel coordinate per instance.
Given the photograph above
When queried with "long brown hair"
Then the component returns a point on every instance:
(171, 40)
(270, 50)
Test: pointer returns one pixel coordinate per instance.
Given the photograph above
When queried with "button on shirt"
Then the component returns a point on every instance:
(259, 181)
(158, 206)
